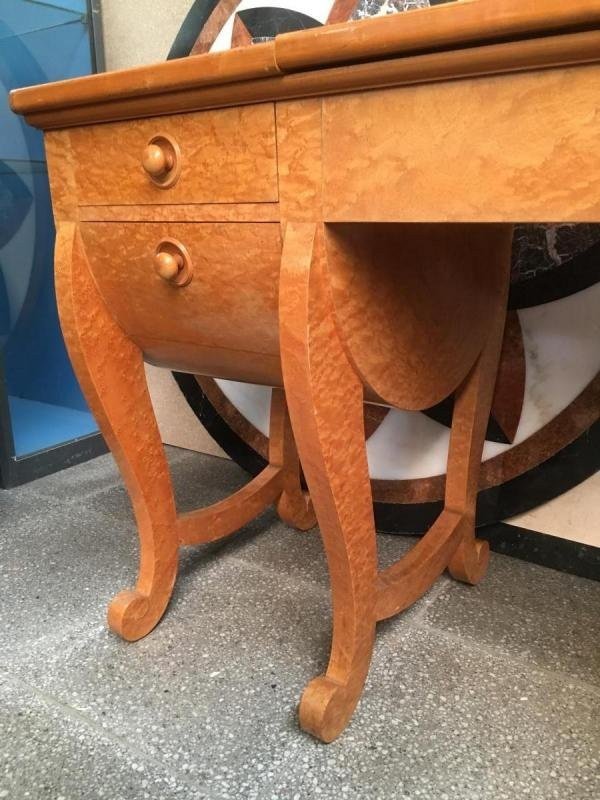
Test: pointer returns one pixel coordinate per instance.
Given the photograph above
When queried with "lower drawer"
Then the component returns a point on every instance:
(224, 322)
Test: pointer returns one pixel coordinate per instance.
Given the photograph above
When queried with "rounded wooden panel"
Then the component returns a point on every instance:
(413, 303)
(223, 323)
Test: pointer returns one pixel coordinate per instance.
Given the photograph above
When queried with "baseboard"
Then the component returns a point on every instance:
(564, 555)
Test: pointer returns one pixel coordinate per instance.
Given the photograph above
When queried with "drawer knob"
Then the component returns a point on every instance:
(167, 265)
(157, 161)
(172, 263)
(161, 161)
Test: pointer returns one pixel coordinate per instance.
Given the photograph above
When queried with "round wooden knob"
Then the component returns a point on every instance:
(172, 263)
(156, 160)
(167, 265)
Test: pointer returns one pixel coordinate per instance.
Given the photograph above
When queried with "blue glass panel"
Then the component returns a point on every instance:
(38, 426)
(19, 16)
(79, 6)
(40, 42)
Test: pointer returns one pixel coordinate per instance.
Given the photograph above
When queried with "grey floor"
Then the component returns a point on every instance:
(487, 692)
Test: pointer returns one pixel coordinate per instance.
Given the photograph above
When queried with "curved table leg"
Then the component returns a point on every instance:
(470, 560)
(294, 506)
(472, 405)
(110, 370)
(326, 405)
(111, 373)
(278, 483)
(450, 542)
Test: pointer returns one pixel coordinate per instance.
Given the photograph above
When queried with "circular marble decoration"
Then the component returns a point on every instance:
(544, 432)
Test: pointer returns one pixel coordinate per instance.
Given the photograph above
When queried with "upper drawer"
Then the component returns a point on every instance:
(226, 156)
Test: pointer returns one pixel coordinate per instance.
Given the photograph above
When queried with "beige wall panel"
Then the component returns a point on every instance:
(140, 31)
(574, 515)
(177, 422)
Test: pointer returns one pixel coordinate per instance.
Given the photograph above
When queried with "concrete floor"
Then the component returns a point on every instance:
(492, 692)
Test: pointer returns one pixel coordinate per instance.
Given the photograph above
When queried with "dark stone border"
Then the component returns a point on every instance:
(575, 275)
(564, 555)
(235, 447)
(195, 20)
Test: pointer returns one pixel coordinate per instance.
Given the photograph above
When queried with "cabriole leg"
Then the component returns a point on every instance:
(473, 402)
(110, 370)
(325, 397)
(294, 506)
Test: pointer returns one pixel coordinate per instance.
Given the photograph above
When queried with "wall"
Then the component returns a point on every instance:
(140, 31)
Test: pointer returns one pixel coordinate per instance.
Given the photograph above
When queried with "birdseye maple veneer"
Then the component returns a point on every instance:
(329, 214)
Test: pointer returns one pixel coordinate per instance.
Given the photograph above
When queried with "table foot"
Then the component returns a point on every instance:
(132, 615)
(327, 706)
(296, 510)
(470, 561)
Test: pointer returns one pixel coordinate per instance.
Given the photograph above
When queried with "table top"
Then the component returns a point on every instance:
(463, 39)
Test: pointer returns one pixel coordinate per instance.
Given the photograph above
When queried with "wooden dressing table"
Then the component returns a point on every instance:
(276, 214)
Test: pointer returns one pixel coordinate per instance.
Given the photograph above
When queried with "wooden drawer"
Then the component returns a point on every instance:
(227, 315)
(226, 156)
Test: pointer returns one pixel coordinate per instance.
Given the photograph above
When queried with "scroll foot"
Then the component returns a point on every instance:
(326, 408)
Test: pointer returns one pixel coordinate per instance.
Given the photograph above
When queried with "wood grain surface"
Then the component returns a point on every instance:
(227, 156)
(441, 27)
(288, 253)
(325, 397)
(413, 354)
(513, 149)
(229, 311)
(110, 369)
(182, 212)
